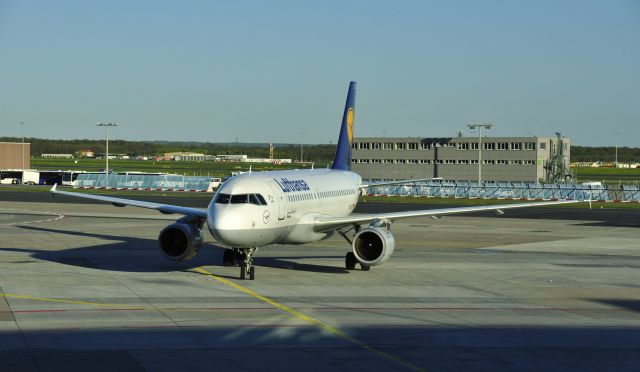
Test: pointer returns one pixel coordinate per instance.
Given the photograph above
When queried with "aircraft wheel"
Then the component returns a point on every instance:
(365, 267)
(252, 273)
(227, 257)
(243, 273)
(350, 261)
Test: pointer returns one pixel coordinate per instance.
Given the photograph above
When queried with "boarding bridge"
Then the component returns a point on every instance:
(508, 190)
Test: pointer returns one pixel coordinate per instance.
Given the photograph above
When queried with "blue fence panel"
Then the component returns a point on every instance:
(164, 182)
(508, 190)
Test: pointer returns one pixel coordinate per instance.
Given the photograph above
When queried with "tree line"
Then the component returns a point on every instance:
(605, 154)
(315, 153)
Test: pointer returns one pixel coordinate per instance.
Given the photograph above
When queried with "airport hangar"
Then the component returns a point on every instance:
(504, 159)
(13, 154)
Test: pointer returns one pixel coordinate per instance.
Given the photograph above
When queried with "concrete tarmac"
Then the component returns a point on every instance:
(84, 287)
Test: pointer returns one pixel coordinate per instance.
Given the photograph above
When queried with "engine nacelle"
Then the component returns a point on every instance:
(180, 241)
(373, 246)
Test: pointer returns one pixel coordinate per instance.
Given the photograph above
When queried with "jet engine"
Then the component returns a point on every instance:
(373, 246)
(180, 241)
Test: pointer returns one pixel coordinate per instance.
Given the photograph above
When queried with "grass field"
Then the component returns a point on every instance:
(608, 175)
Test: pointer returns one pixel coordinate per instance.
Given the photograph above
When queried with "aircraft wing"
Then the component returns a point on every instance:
(330, 223)
(119, 202)
(385, 183)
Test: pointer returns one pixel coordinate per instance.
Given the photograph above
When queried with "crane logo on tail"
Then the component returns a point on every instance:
(350, 124)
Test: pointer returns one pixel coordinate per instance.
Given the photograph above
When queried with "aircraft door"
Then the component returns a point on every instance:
(281, 200)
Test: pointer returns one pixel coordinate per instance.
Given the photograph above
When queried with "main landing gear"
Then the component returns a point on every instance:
(244, 256)
(350, 262)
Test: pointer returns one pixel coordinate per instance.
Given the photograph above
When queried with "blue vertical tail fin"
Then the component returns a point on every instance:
(342, 159)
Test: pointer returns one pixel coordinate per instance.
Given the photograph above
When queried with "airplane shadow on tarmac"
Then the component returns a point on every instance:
(132, 254)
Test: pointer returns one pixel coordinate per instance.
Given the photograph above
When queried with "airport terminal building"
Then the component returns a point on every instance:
(15, 155)
(513, 159)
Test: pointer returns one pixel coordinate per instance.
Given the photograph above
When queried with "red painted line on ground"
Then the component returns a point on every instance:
(68, 310)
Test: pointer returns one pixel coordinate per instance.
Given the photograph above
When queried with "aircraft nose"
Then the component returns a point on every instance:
(222, 227)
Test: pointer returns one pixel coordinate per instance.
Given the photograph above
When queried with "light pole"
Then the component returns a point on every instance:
(22, 128)
(301, 151)
(106, 172)
(479, 127)
(616, 144)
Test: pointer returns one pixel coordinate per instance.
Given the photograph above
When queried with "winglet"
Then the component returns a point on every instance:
(53, 189)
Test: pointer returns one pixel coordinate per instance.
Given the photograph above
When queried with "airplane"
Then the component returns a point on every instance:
(258, 209)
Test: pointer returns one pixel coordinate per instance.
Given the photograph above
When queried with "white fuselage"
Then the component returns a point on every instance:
(257, 209)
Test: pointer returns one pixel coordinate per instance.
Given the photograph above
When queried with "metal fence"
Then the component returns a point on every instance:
(145, 182)
(508, 190)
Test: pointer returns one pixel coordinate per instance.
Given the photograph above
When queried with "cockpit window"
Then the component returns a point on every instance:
(262, 201)
(253, 199)
(239, 199)
(256, 199)
(223, 198)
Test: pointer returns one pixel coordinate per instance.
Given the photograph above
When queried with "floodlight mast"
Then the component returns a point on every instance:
(22, 128)
(106, 171)
(479, 127)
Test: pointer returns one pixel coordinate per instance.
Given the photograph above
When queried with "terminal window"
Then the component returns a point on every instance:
(530, 146)
(489, 146)
(543, 146)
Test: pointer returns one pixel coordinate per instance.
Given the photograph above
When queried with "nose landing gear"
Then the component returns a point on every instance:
(244, 256)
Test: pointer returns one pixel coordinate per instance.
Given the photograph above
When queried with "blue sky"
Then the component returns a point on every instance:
(278, 71)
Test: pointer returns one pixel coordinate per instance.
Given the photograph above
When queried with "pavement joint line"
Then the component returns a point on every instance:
(311, 320)
(74, 302)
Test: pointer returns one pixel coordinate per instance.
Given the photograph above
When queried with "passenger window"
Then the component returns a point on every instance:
(239, 199)
(223, 199)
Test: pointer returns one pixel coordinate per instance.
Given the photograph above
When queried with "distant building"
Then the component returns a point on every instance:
(238, 158)
(14, 154)
(57, 156)
(85, 153)
(113, 156)
(524, 159)
(187, 156)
